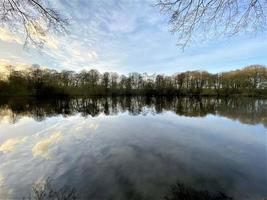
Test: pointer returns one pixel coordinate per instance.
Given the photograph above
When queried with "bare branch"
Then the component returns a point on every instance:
(34, 18)
(194, 20)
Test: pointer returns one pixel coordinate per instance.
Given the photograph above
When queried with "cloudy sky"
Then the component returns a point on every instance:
(127, 36)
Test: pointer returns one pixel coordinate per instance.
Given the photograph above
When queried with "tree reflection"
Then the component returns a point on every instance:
(246, 110)
(181, 191)
(45, 190)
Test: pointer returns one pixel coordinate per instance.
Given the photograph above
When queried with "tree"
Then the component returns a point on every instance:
(105, 80)
(249, 81)
(35, 18)
(201, 19)
(114, 80)
(179, 81)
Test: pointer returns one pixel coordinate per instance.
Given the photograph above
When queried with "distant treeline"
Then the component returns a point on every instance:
(249, 81)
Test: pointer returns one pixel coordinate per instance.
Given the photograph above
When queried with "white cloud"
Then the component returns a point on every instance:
(7, 36)
(127, 36)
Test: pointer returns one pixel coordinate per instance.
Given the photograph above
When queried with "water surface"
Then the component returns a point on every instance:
(134, 148)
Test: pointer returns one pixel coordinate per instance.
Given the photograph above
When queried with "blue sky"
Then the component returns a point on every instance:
(129, 36)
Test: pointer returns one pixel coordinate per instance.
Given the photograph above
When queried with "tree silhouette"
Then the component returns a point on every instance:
(194, 20)
(35, 81)
(34, 18)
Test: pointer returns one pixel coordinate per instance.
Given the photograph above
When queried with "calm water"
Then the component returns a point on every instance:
(134, 148)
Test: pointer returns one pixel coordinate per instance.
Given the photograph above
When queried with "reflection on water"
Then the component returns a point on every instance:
(246, 110)
(134, 148)
(181, 191)
(44, 190)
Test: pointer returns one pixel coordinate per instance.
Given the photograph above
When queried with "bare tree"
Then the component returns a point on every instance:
(198, 20)
(34, 18)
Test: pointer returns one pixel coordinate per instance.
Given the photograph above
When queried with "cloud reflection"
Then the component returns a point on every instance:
(10, 144)
(42, 147)
(86, 125)
(5, 192)
(93, 126)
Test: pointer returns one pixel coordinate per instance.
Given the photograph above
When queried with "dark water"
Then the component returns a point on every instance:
(134, 148)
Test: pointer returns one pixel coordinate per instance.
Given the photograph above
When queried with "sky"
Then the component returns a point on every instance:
(129, 36)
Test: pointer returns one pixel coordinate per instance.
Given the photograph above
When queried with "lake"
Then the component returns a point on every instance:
(127, 148)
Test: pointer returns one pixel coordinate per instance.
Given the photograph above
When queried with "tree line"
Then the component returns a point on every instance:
(36, 81)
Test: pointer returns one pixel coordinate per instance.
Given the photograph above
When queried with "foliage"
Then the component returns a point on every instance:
(249, 81)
